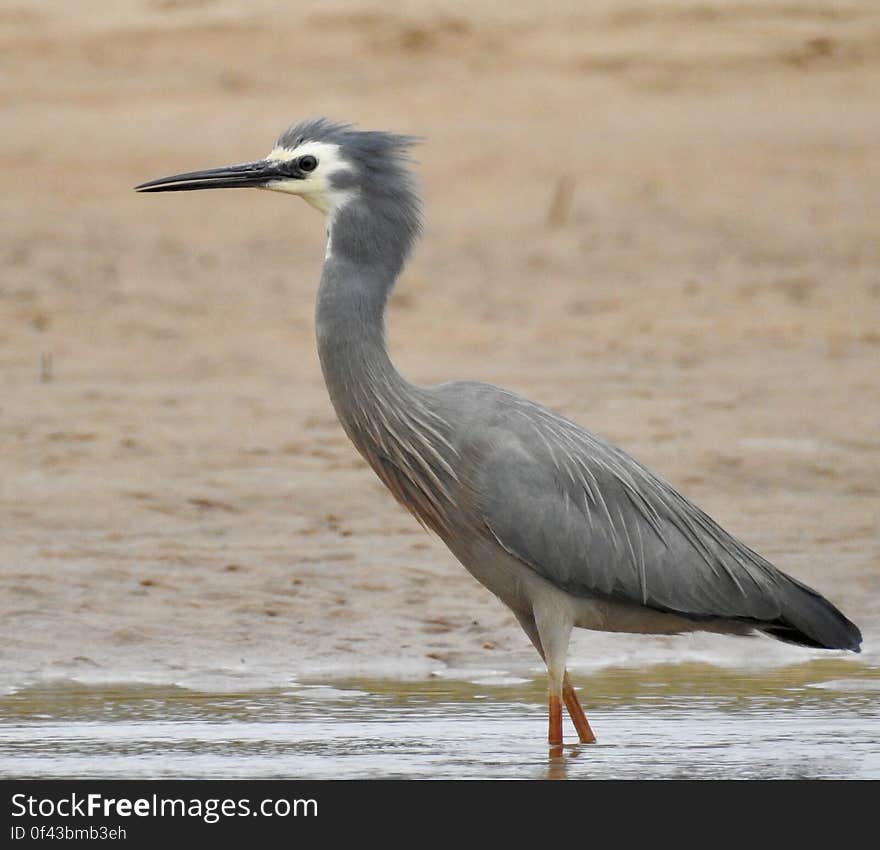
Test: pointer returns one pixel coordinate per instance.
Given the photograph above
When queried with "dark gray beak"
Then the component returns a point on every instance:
(250, 174)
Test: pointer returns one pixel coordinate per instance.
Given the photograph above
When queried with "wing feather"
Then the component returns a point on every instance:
(586, 516)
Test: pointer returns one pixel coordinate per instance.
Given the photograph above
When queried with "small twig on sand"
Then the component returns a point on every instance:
(46, 367)
(560, 205)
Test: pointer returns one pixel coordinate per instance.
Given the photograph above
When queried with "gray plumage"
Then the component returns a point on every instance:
(567, 529)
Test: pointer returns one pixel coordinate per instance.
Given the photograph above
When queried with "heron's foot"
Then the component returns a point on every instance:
(581, 724)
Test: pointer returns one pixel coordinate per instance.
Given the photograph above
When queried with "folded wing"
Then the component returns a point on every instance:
(592, 520)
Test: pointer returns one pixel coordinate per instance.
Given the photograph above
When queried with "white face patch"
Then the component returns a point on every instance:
(315, 187)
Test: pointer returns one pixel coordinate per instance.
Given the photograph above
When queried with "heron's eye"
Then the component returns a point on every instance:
(307, 163)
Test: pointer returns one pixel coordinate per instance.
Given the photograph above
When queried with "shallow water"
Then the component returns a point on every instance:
(817, 720)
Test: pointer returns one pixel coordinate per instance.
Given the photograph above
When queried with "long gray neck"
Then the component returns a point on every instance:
(395, 425)
(365, 253)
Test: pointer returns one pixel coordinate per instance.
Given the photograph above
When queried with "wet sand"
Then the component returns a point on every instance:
(659, 218)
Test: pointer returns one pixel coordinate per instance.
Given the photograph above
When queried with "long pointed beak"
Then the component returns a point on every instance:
(229, 177)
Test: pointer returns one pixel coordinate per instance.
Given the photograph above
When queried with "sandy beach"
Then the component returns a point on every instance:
(661, 219)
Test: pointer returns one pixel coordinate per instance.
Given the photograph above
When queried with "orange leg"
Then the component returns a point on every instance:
(555, 733)
(572, 703)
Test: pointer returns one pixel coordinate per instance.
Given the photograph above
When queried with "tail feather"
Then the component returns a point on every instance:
(809, 619)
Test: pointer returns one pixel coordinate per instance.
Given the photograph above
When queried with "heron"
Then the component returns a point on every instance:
(564, 527)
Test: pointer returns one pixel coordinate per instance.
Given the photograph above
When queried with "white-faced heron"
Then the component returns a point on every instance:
(565, 528)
